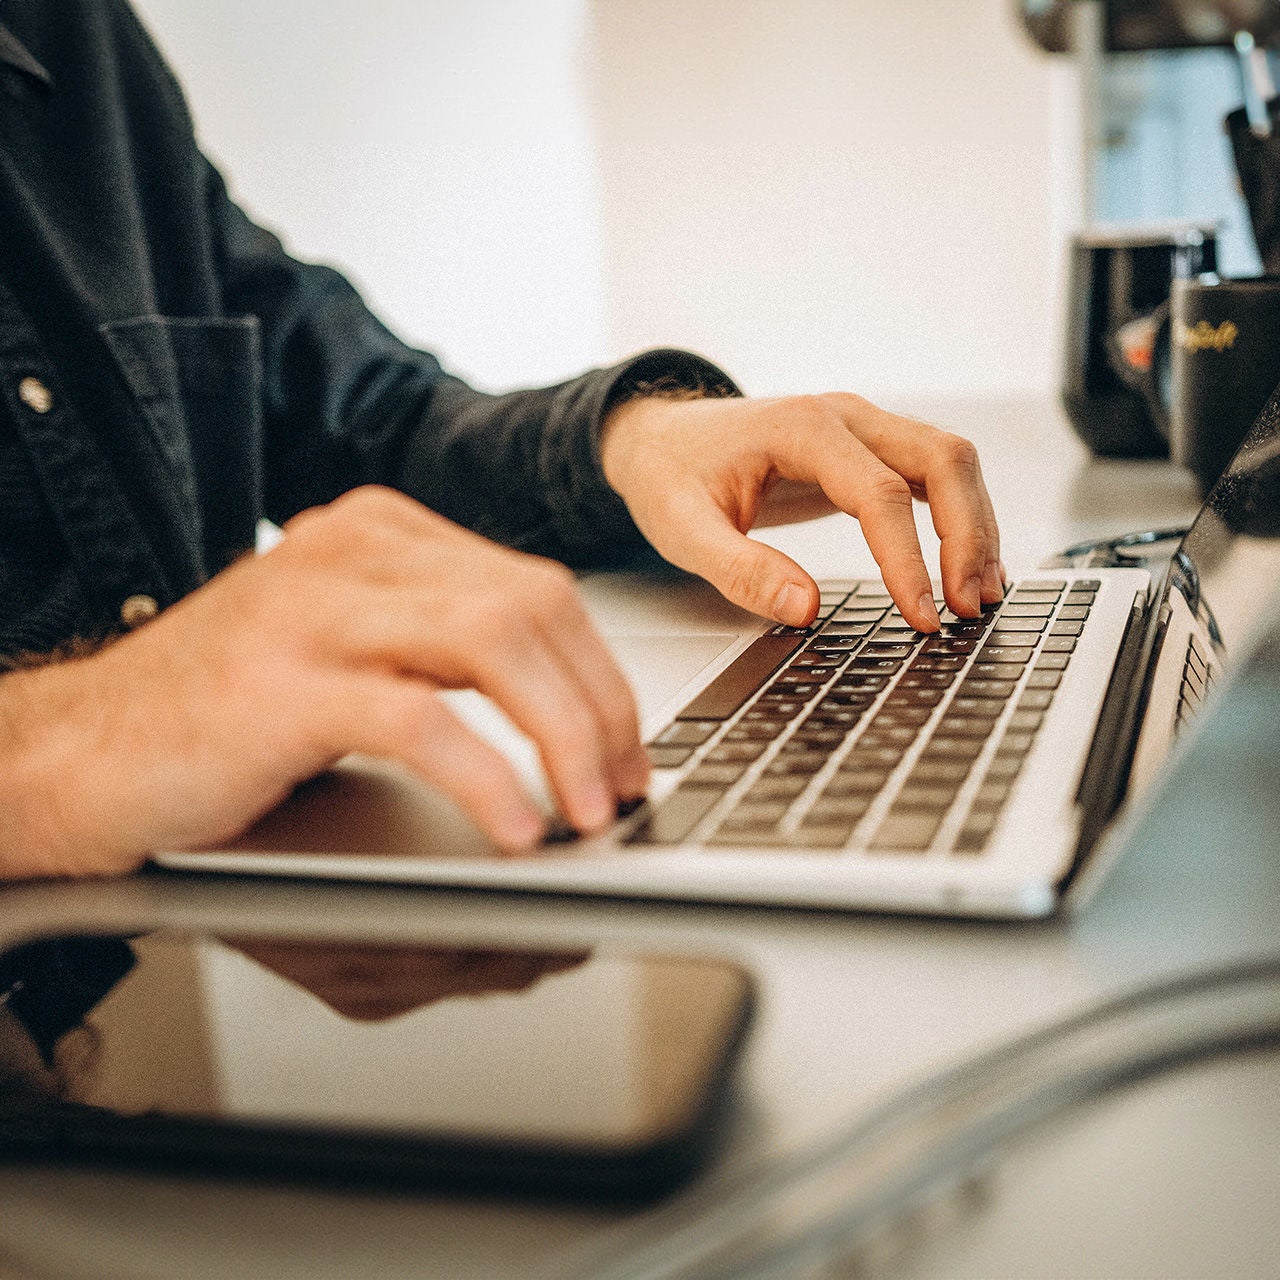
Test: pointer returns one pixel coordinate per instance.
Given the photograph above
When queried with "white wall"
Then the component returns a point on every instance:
(813, 192)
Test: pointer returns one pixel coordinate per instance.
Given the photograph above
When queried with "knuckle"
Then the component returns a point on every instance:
(884, 487)
(957, 453)
(743, 574)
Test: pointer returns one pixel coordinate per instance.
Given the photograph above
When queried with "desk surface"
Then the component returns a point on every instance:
(853, 1007)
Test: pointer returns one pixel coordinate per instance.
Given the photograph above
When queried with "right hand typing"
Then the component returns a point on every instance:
(338, 640)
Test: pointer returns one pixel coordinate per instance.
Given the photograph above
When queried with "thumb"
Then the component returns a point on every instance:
(702, 539)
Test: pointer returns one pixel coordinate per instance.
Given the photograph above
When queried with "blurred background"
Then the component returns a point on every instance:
(814, 193)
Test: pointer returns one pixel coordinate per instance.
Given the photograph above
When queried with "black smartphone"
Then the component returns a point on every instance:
(594, 1075)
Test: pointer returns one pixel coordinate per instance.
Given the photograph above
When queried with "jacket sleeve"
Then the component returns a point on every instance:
(345, 402)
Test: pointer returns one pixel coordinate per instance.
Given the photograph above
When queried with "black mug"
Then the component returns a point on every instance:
(1117, 300)
(1224, 339)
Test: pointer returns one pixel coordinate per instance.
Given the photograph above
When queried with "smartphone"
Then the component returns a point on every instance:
(595, 1075)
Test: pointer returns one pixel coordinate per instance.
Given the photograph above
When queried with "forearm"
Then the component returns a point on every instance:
(51, 737)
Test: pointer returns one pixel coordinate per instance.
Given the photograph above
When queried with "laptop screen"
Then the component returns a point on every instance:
(1221, 581)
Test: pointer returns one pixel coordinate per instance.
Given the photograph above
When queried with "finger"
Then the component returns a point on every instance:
(700, 537)
(405, 720)
(572, 636)
(945, 468)
(859, 483)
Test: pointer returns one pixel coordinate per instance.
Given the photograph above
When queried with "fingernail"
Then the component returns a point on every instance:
(1004, 574)
(791, 605)
(992, 587)
(971, 594)
(523, 829)
(596, 808)
(929, 610)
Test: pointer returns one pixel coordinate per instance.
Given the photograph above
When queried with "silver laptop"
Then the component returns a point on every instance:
(858, 763)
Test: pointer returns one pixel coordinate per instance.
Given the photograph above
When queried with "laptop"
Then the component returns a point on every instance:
(856, 763)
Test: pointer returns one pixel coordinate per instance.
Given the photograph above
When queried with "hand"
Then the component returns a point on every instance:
(697, 474)
(184, 732)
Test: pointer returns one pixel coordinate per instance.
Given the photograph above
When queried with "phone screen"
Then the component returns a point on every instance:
(555, 1071)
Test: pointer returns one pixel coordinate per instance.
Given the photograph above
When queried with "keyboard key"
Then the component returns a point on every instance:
(736, 752)
(837, 628)
(1025, 721)
(817, 736)
(859, 615)
(934, 771)
(1066, 628)
(1007, 623)
(1044, 679)
(927, 680)
(965, 727)
(865, 759)
(803, 676)
(722, 776)
(1074, 598)
(924, 799)
(910, 832)
(668, 757)
(1058, 644)
(1015, 744)
(687, 733)
(673, 820)
(830, 810)
(741, 678)
(800, 765)
(1017, 639)
(1073, 613)
(809, 659)
(755, 816)
(950, 644)
(873, 665)
(992, 793)
(1024, 609)
(1021, 596)
(775, 788)
(981, 707)
(1052, 661)
(829, 835)
(914, 698)
(877, 649)
(902, 717)
(1054, 585)
(1086, 584)
(859, 682)
(949, 748)
(824, 644)
(1035, 700)
(972, 688)
(756, 730)
(973, 836)
(868, 783)
(997, 670)
(1003, 653)
(874, 738)
(939, 662)
(1004, 767)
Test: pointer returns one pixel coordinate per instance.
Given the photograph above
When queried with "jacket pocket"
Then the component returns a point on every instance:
(197, 384)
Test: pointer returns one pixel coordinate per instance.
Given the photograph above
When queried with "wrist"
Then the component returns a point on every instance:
(49, 749)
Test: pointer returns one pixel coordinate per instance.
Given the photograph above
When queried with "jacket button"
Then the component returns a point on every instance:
(138, 609)
(35, 395)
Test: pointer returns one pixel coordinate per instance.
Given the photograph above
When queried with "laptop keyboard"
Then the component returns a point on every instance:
(808, 739)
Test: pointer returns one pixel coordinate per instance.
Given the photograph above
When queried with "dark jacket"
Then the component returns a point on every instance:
(168, 374)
